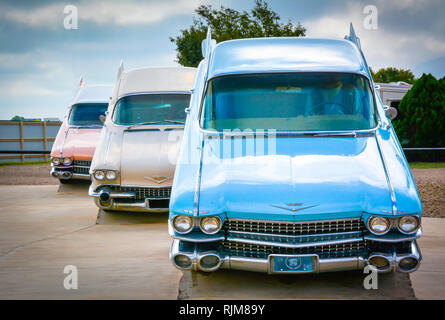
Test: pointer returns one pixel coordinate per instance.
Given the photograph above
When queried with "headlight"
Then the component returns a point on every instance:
(183, 224)
(111, 175)
(67, 161)
(99, 175)
(56, 161)
(210, 225)
(379, 225)
(408, 224)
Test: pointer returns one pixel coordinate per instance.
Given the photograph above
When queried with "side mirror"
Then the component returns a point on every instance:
(390, 112)
(102, 118)
(187, 110)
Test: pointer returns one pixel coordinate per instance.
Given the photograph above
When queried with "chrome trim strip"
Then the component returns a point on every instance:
(294, 222)
(388, 178)
(129, 186)
(276, 235)
(151, 92)
(401, 238)
(289, 245)
(198, 182)
(310, 134)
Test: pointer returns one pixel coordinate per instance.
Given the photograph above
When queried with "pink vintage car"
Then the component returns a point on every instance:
(76, 140)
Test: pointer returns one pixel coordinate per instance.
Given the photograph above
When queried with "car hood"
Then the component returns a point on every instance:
(304, 178)
(148, 156)
(80, 143)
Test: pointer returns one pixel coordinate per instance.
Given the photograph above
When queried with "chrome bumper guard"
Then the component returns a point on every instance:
(263, 265)
(65, 175)
(112, 205)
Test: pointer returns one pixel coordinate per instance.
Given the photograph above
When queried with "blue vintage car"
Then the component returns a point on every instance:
(289, 164)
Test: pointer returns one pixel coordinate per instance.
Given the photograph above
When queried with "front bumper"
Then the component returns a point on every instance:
(271, 246)
(78, 170)
(126, 201)
(66, 174)
(264, 265)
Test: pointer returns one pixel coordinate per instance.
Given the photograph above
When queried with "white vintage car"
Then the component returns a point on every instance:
(134, 162)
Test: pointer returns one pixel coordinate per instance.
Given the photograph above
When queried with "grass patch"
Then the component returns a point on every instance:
(4, 164)
(426, 165)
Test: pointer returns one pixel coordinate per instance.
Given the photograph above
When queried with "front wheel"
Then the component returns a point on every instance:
(65, 181)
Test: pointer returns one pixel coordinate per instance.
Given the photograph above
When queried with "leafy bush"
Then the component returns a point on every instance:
(423, 109)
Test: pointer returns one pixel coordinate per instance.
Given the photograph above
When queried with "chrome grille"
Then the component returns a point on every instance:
(85, 163)
(81, 170)
(81, 166)
(324, 252)
(143, 193)
(294, 228)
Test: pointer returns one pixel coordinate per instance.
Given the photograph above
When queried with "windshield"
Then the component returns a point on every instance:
(87, 114)
(151, 108)
(289, 102)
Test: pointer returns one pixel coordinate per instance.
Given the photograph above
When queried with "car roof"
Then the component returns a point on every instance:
(156, 79)
(92, 94)
(287, 54)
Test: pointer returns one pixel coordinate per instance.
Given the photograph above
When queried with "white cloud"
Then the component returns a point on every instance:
(382, 47)
(27, 87)
(119, 13)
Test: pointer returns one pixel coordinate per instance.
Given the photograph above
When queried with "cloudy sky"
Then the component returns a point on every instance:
(41, 62)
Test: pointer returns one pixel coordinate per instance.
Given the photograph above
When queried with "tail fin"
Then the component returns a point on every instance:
(120, 70)
(207, 46)
(356, 40)
(353, 37)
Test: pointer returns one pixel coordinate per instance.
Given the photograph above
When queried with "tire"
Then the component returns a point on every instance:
(65, 181)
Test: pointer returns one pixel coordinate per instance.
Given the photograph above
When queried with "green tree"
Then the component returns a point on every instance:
(17, 118)
(229, 24)
(390, 74)
(423, 110)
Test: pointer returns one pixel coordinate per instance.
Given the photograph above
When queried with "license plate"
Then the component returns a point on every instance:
(293, 264)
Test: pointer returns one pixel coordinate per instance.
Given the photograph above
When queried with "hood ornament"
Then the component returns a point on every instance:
(158, 180)
(293, 205)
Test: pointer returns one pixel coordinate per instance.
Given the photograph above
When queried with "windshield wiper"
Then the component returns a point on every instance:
(87, 126)
(174, 121)
(333, 134)
(143, 124)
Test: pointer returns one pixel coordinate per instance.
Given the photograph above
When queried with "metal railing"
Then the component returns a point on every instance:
(20, 139)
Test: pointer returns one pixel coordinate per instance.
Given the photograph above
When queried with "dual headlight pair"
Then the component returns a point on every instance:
(105, 174)
(381, 225)
(65, 161)
(208, 225)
